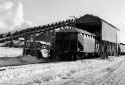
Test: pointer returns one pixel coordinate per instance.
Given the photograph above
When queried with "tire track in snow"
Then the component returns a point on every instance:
(106, 76)
(115, 77)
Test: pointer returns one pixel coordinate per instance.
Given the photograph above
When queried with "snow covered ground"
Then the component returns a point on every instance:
(10, 52)
(13, 56)
(82, 72)
(20, 60)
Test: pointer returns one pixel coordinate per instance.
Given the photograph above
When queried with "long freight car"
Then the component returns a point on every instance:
(73, 44)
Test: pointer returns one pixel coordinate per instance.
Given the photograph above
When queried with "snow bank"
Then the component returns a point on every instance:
(9, 61)
(21, 60)
(10, 52)
(13, 56)
(81, 72)
(29, 59)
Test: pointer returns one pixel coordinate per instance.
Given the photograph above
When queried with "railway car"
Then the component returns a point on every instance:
(122, 49)
(73, 44)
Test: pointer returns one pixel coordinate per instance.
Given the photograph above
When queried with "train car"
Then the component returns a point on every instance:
(73, 44)
(122, 49)
(106, 34)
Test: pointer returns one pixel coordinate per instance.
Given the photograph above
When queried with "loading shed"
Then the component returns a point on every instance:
(106, 33)
(101, 28)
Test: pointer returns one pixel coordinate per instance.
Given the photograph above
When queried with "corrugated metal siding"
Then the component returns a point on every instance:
(81, 39)
(88, 42)
(109, 33)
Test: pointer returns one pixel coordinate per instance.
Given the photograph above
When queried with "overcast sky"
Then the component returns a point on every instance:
(47, 11)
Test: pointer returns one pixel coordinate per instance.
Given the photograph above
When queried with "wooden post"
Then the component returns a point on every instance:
(106, 50)
(96, 44)
(101, 49)
(53, 40)
(34, 44)
(77, 48)
(24, 47)
(53, 46)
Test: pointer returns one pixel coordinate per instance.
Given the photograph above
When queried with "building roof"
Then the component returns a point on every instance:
(92, 20)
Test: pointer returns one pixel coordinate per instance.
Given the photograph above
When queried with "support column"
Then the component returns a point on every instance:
(25, 43)
(34, 45)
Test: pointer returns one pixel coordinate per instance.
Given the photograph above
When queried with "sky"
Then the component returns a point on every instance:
(47, 11)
